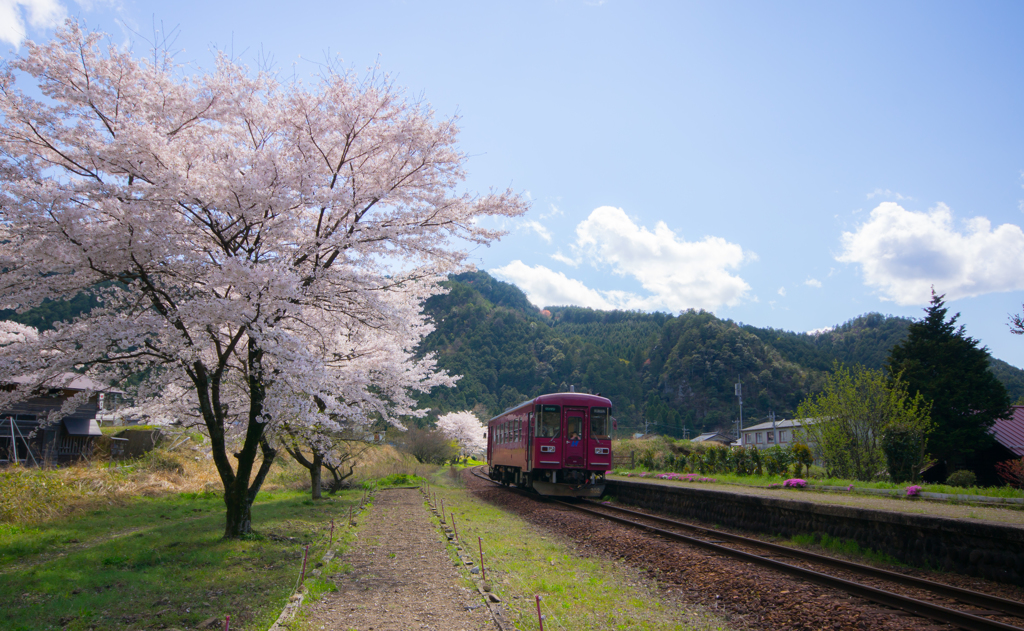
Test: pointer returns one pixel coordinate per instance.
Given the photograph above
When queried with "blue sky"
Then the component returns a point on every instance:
(790, 164)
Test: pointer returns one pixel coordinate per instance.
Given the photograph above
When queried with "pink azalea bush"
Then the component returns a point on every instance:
(794, 483)
(913, 490)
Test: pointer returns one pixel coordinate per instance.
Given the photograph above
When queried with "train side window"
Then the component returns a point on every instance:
(599, 423)
(549, 424)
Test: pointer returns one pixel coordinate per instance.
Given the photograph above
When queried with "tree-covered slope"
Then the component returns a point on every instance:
(672, 372)
(668, 372)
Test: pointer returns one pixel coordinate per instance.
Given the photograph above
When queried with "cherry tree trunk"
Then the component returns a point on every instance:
(239, 513)
(316, 475)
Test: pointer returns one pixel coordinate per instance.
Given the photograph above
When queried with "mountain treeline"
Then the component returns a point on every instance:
(663, 373)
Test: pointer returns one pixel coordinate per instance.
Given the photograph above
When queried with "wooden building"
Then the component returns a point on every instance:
(28, 437)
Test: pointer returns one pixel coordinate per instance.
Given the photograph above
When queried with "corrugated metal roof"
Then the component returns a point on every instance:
(82, 427)
(783, 424)
(1009, 432)
(70, 381)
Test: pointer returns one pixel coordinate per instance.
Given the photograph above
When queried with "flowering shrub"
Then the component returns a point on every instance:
(849, 488)
(775, 485)
(912, 491)
(794, 483)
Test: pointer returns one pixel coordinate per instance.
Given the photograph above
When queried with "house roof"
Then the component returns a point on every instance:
(783, 424)
(1009, 432)
(713, 436)
(82, 427)
(69, 381)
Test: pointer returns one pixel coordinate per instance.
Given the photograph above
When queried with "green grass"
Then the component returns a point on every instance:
(843, 547)
(397, 479)
(162, 562)
(765, 480)
(577, 592)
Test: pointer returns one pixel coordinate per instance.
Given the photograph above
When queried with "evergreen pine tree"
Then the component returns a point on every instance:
(938, 360)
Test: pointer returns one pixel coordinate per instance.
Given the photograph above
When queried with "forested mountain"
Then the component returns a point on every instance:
(668, 373)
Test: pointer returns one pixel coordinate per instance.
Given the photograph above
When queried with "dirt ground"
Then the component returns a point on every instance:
(401, 577)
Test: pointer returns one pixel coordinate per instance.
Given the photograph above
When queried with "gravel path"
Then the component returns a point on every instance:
(401, 577)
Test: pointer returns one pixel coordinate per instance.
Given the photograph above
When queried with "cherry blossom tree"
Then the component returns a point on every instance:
(466, 429)
(260, 249)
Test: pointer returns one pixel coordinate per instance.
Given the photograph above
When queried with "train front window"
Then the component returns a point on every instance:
(574, 426)
(599, 423)
(549, 424)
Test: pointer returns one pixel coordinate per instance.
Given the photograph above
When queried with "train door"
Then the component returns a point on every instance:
(528, 440)
(600, 439)
(575, 437)
(548, 440)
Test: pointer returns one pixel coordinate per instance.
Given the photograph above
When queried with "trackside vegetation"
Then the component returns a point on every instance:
(140, 545)
(664, 457)
(577, 592)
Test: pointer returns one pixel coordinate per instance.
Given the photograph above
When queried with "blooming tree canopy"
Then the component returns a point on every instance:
(260, 248)
(464, 428)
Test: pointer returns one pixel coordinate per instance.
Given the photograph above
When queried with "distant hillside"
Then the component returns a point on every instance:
(667, 373)
(671, 372)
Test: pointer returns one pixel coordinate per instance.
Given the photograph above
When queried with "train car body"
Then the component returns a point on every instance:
(556, 444)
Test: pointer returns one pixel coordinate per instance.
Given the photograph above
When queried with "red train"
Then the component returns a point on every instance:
(556, 444)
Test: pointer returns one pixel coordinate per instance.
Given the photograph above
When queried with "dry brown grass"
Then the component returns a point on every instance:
(31, 495)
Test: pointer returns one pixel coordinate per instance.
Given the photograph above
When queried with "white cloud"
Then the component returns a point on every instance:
(41, 14)
(539, 228)
(887, 193)
(903, 253)
(561, 258)
(547, 288)
(554, 212)
(782, 291)
(678, 274)
(812, 282)
(824, 329)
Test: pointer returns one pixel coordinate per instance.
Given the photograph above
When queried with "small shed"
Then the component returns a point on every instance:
(714, 437)
(26, 436)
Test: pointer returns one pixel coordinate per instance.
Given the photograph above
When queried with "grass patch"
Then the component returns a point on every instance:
(400, 479)
(842, 547)
(162, 562)
(765, 480)
(577, 592)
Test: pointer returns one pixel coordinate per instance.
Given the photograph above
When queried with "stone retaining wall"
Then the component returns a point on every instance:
(977, 549)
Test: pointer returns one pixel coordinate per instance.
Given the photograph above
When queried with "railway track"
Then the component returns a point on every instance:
(812, 567)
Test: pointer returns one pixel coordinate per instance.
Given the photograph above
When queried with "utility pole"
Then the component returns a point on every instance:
(739, 395)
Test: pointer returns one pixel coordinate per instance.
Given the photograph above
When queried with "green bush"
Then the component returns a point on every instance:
(160, 460)
(904, 445)
(962, 478)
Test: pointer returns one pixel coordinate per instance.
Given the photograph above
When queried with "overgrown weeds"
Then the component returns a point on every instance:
(578, 592)
(847, 548)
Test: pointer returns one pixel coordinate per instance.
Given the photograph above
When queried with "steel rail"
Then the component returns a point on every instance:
(919, 607)
(1010, 607)
(925, 609)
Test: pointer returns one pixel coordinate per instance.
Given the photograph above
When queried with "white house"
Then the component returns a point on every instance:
(771, 433)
